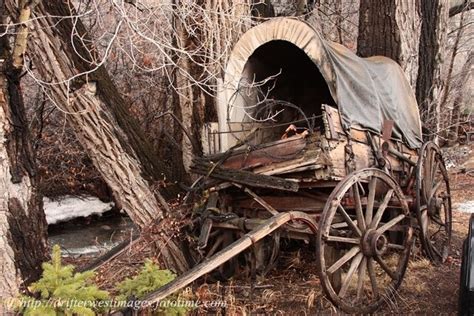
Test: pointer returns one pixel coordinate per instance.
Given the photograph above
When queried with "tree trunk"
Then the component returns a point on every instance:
(96, 111)
(431, 58)
(300, 7)
(98, 115)
(190, 99)
(262, 9)
(23, 230)
(200, 68)
(451, 116)
(464, 77)
(390, 28)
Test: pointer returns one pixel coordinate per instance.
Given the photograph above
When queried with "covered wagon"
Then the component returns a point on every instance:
(314, 143)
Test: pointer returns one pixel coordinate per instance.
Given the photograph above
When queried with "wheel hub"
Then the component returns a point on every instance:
(373, 243)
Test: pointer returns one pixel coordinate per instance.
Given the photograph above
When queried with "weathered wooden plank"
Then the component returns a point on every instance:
(224, 255)
(285, 203)
(245, 148)
(359, 134)
(289, 166)
(332, 122)
(282, 150)
(204, 167)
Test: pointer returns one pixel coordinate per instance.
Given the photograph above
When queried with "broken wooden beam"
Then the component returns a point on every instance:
(207, 168)
(265, 229)
(284, 203)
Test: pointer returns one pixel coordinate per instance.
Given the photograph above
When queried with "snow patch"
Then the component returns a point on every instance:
(88, 250)
(465, 207)
(69, 207)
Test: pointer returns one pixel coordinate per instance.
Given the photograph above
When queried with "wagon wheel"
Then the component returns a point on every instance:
(367, 220)
(262, 257)
(433, 200)
(219, 240)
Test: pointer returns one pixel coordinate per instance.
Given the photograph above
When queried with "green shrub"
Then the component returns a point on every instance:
(62, 292)
(149, 279)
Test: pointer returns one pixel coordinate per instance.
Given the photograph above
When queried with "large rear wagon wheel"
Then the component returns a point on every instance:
(366, 218)
(433, 198)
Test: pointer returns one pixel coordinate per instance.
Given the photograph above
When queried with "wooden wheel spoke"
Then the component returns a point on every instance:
(346, 240)
(437, 252)
(435, 189)
(358, 206)
(427, 174)
(372, 276)
(370, 201)
(434, 168)
(361, 276)
(348, 220)
(384, 266)
(378, 216)
(350, 273)
(215, 246)
(390, 223)
(424, 220)
(395, 246)
(348, 256)
(438, 220)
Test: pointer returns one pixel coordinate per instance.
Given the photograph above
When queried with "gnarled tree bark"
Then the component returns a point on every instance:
(390, 28)
(432, 53)
(22, 222)
(96, 111)
(98, 115)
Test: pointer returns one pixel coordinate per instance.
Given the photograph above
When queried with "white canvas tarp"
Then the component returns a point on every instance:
(367, 91)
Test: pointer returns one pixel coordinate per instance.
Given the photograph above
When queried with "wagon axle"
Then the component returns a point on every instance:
(373, 243)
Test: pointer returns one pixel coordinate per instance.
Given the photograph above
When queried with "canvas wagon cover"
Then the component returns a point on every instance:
(366, 90)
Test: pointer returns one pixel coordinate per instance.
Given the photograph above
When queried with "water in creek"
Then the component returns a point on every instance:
(85, 226)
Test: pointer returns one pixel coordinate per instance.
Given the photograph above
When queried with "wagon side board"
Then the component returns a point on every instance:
(320, 157)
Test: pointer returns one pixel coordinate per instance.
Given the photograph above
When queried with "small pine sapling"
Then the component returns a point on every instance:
(63, 292)
(149, 279)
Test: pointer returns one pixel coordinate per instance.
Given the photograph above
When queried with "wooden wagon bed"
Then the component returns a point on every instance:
(315, 159)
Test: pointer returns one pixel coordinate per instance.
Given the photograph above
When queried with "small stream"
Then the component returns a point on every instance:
(85, 226)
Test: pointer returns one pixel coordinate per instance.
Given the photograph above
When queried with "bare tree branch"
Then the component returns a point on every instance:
(458, 6)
